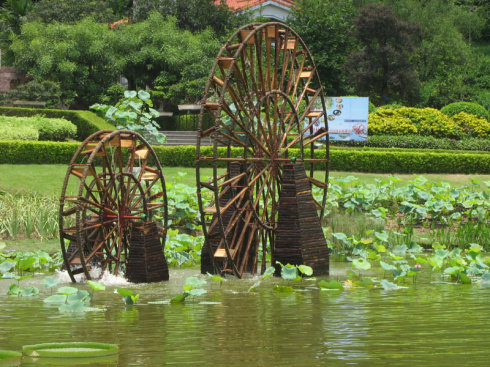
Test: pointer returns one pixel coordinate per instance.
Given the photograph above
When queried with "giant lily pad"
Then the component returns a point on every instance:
(70, 350)
(10, 358)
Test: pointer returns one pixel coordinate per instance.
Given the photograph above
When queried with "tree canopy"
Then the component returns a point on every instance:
(428, 53)
(383, 67)
(325, 27)
(155, 53)
(77, 57)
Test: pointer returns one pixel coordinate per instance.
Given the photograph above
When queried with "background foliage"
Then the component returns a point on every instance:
(439, 54)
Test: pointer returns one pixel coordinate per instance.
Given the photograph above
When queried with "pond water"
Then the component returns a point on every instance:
(426, 324)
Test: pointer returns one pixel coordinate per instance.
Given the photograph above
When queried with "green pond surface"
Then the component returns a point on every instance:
(429, 323)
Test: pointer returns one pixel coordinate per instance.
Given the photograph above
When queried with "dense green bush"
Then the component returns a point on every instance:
(362, 160)
(418, 142)
(54, 129)
(86, 122)
(423, 121)
(344, 159)
(472, 125)
(409, 161)
(43, 91)
(36, 152)
(372, 107)
(390, 106)
(468, 107)
(387, 122)
(18, 133)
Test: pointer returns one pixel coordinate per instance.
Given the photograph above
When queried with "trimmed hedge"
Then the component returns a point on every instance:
(86, 122)
(36, 152)
(362, 160)
(53, 129)
(342, 159)
(468, 107)
(418, 142)
(16, 133)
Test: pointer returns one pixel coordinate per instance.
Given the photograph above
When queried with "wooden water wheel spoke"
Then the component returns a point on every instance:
(234, 216)
(244, 191)
(316, 137)
(295, 80)
(308, 112)
(298, 138)
(99, 246)
(263, 87)
(305, 77)
(116, 189)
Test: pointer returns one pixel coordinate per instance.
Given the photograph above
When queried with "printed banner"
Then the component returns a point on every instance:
(347, 118)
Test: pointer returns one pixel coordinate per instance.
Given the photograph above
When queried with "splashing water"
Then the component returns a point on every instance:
(107, 278)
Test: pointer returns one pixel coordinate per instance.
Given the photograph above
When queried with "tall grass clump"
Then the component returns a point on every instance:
(28, 216)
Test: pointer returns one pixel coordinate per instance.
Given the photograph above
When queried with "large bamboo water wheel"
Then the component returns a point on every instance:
(114, 181)
(266, 100)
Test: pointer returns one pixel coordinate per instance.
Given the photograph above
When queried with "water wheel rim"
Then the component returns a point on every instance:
(221, 82)
(140, 165)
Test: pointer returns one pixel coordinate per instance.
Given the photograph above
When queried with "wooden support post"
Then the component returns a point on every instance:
(299, 235)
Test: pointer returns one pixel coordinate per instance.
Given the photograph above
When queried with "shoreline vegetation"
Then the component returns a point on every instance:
(423, 208)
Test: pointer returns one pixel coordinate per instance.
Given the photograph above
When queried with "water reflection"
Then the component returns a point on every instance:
(429, 324)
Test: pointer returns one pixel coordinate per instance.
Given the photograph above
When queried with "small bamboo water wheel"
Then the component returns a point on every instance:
(113, 182)
(267, 103)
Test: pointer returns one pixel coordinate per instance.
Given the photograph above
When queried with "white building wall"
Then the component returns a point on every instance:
(272, 10)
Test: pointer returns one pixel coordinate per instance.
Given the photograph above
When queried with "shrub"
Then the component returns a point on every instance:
(430, 121)
(36, 152)
(387, 122)
(345, 159)
(473, 125)
(372, 107)
(18, 133)
(86, 122)
(409, 120)
(408, 161)
(390, 106)
(113, 94)
(55, 129)
(45, 91)
(48, 129)
(468, 107)
(362, 160)
(418, 142)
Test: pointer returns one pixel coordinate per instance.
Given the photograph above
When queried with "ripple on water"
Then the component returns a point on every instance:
(427, 324)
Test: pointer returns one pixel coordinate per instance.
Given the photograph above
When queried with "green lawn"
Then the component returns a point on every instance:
(33, 245)
(48, 179)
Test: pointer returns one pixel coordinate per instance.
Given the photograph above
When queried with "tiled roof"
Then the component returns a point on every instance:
(240, 4)
(115, 24)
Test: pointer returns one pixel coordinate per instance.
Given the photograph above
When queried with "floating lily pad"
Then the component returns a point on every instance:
(70, 350)
(10, 358)
(82, 361)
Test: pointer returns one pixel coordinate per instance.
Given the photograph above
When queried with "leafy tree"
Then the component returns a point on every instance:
(77, 57)
(121, 8)
(448, 68)
(325, 27)
(11, 13)
(192, 15)
(156, 54)
(70, 11)
(383, 67)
